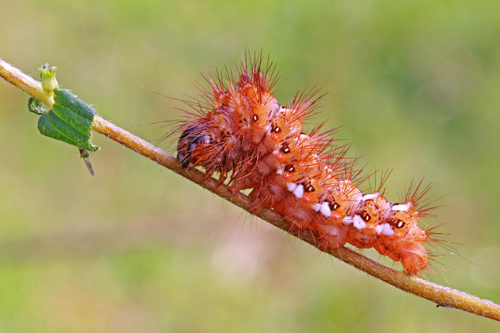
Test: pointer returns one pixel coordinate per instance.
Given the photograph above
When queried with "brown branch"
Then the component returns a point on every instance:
(443, 296)
(24, 82)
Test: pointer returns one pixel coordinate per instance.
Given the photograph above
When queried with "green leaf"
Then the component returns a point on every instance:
(69, 119)
(66, 99)
(52, 125)
(36, 106)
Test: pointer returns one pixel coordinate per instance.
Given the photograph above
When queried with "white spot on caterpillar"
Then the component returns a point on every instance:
(299, 191)
(348, 219)
(291, 186)
(402, 207)
(384, 229)
(356, 221)
(325, 209)
(279, 171)
(370, 196)
(387, 229)
(316, 207)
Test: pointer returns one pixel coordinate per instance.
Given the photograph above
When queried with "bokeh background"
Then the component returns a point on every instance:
(135, 248)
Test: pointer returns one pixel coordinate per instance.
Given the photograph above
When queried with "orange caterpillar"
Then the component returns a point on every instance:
(240, 130)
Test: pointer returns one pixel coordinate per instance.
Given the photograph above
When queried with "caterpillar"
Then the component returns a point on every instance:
(239, 131)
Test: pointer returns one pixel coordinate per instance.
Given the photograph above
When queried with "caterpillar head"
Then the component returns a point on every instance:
(414, 259)
(208, 142)
(192, 140)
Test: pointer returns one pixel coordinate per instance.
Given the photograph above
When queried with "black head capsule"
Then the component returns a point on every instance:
(189, 139)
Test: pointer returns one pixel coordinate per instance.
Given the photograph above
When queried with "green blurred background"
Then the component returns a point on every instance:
(135, 248)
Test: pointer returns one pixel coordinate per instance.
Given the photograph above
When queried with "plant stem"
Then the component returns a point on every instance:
(24, 82)
(443, 296)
